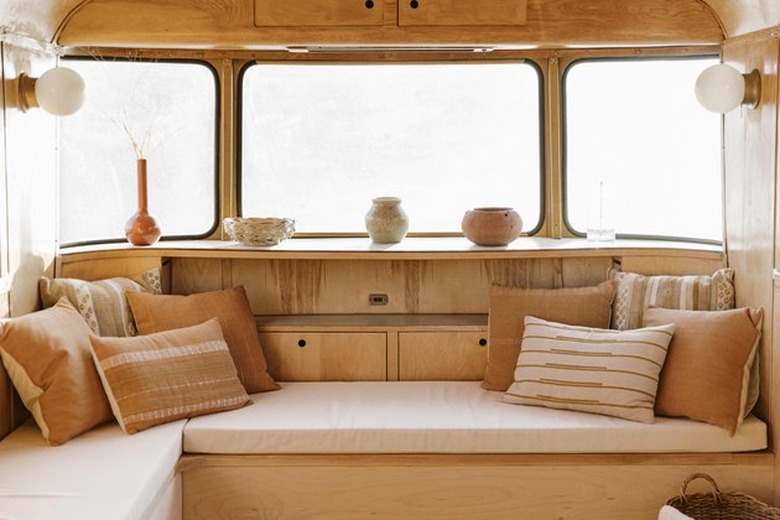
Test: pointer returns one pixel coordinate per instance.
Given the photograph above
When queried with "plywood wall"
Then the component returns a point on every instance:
(751, 180)
(27, 200)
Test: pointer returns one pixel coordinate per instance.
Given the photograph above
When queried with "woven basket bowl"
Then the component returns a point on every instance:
(256, 231)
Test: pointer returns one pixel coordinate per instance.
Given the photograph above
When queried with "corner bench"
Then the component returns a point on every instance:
(360, 449)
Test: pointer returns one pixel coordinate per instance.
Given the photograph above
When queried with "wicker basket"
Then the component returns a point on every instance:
(717, 505)
(255, 231)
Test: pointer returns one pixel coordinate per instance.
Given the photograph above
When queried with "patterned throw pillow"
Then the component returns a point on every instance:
(636, 292)
(599, 371)
(102, 303)
(166, 376)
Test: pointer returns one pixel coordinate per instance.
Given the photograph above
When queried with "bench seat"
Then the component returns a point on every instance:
(102, 474)
(440, 417)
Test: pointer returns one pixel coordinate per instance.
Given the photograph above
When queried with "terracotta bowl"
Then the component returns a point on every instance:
(491, 226)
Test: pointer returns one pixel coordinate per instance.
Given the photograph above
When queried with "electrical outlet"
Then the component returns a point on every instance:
(378, 299)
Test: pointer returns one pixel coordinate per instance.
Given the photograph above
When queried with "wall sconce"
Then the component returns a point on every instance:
(722, 88)
(59, 91)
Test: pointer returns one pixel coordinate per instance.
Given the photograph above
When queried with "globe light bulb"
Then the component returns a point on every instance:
(720, 88)
(60, 91)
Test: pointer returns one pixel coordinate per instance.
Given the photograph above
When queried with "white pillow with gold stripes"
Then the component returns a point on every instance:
(607, 372)
(169, 375)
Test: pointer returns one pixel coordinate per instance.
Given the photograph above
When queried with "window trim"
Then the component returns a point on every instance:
(564, 143)
(217, 140)
(390, 59)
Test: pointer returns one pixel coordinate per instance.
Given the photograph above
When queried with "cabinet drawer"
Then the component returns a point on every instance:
(459, 356)
(462, 12)
(317, 13)
(327, 356)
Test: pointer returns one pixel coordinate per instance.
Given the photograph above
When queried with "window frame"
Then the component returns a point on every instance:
(564, 196)
(419, 57)
(210, 67)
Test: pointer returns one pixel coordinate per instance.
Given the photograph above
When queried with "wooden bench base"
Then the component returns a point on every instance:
(467, 487)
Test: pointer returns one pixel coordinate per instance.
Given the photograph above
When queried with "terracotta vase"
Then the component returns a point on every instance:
(142, 228)
(386, 221)
(491, 226)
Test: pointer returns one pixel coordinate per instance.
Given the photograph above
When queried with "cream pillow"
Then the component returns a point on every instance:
(102, 303)
(636, 292)
(599, 371)
(47, 356)
(169, 375)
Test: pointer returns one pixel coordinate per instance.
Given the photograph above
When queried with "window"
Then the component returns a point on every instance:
(637, 140)
(319, 141)
(170, 109)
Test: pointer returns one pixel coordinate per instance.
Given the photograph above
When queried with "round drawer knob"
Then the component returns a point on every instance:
(482, 342)
(301, 343)
(414, 4)
(369, 4)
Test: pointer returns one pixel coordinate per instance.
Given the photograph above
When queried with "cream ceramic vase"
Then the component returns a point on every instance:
(386, 221)
(491, 226)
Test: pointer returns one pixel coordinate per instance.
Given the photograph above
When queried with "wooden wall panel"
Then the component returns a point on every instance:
(650, 265)
(750, 208)
(97, 269)
(745, 16)
(413, 286)
(29, 170)
(751, 215)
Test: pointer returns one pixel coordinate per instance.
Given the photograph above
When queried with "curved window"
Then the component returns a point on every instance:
(642, 157)
(319, 141)
(165, 110)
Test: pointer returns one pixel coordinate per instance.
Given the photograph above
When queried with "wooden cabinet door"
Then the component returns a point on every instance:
(317, 13)
(431, 356)
(331, 356)
(462, 12)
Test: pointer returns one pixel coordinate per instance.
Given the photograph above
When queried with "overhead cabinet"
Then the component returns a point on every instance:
(318, 13)
(462, 12)
(367, 13)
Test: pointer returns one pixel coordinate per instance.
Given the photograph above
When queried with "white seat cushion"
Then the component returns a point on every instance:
(440, 417)
(101, 474)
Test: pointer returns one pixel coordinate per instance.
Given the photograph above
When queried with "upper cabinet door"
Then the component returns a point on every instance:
(462, 12)
(317, 13)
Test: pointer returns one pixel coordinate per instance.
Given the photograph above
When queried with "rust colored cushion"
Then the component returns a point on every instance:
(586, 306)
(169, 375)
(47, 356)
(707, 372)
(160, 312)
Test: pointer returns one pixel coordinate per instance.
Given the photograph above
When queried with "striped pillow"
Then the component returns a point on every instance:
(590, 370)
(102, 303)
(169, 375)
(636, 293)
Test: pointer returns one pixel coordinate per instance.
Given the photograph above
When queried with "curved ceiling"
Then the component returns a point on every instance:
(45, 19)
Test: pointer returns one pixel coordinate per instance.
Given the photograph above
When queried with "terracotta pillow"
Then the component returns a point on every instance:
(586, 306)
(47, 356)
(101, 303)
(157, 313)
(169, 375)
(707, 372)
